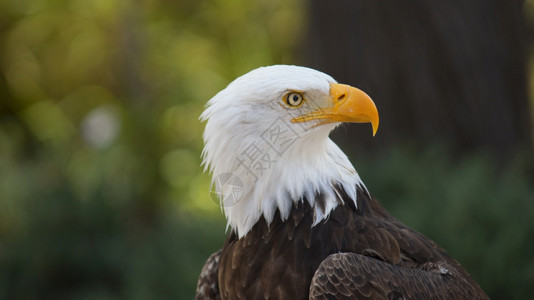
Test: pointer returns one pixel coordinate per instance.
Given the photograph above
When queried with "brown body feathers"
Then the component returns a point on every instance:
(357, 253)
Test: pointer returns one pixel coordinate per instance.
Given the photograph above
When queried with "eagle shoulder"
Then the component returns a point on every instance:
(356, 276)
(208, 284)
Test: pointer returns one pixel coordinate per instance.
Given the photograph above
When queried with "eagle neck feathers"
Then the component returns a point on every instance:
(312, 169)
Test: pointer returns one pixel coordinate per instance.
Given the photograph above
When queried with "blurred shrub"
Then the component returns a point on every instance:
(105, 237)
(101, 190)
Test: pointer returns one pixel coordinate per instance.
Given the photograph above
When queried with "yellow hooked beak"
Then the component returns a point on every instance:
(345, 104)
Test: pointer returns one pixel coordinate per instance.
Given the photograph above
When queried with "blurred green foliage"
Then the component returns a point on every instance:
(101, 191)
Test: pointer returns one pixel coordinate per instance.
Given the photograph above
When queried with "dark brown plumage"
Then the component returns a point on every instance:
(357, 253)
(208, 282)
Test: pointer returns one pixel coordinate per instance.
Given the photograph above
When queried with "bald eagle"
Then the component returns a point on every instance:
(302, 224)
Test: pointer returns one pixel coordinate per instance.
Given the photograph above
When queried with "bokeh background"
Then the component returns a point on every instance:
(101, 191)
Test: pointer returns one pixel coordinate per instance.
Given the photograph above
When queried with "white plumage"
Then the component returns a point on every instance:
(307, 164)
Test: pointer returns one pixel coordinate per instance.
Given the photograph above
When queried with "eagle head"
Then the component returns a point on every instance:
(266, 143)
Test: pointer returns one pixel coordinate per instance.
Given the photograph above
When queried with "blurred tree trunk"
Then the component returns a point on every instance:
(452, 70)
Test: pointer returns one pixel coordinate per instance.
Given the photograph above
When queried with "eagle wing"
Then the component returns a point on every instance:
(356, 276)
(208, 282)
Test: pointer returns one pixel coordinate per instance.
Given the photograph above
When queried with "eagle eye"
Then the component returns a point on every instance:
(294, 99)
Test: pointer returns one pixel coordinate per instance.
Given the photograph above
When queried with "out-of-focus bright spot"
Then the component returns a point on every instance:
(179, 167)
(100, 127)
(47, 121)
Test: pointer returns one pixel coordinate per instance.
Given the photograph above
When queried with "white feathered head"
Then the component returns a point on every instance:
(267, 145)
